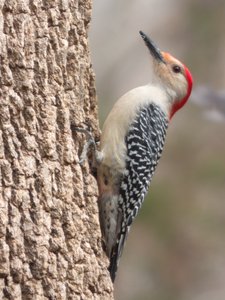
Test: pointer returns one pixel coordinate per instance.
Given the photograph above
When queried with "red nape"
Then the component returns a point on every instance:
(181, 103)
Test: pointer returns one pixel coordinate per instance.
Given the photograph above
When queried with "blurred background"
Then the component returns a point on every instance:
(176, 247)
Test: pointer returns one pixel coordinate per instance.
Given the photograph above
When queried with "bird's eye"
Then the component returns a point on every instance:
(176, 69)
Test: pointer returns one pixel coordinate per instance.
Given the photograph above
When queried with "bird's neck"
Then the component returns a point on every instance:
(181, 102)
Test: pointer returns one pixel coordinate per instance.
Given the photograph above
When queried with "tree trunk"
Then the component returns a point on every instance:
(50, 239)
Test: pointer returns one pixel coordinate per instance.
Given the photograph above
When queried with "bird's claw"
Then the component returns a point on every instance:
(90, 142)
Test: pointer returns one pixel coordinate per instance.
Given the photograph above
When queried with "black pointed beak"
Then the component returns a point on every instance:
(154, 50)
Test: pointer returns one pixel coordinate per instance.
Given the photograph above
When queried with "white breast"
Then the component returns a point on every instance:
(120, 118)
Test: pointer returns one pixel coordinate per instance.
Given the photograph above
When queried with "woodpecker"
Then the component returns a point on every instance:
(131, 144)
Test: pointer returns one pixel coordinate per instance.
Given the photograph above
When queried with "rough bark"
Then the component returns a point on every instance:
(50, 240)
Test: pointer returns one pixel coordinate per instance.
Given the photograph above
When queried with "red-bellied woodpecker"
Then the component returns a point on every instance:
(131, 144)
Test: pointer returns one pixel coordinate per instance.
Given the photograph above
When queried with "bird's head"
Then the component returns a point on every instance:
(172, 75)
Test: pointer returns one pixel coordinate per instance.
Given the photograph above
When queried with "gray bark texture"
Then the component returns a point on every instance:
(50, 239)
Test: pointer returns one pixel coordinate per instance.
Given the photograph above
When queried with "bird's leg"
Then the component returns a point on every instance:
(90, 143)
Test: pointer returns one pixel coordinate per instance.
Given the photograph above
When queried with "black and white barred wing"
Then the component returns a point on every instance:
(144, 143)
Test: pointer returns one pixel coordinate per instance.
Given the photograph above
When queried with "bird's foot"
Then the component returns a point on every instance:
(90, 143)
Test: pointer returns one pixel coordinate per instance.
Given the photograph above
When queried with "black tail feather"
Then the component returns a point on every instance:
(113, 268)
(116, 254)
